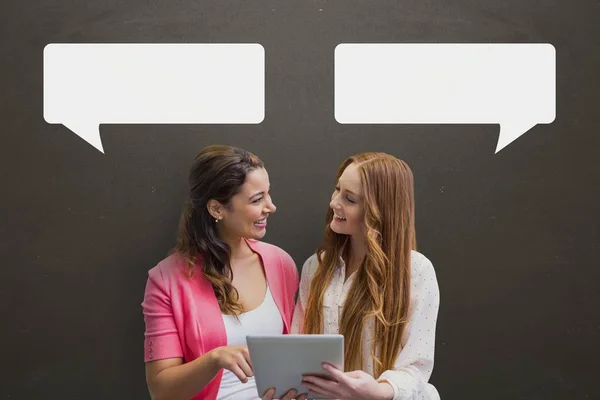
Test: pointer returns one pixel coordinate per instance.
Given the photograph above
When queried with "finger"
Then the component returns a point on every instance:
(243, 364)
(318, 392)
(237, 371)
(320, 382)
(246, 354)
(268, 394)
(302, 396)
(355, 374)
(291, 394)
(322, 386)
(336, 373)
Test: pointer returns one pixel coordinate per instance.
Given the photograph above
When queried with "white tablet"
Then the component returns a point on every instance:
(281, 361)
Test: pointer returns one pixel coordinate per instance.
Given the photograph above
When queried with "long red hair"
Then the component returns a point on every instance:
(381, 288)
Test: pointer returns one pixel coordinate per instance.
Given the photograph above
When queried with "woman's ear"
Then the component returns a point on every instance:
(215, 209)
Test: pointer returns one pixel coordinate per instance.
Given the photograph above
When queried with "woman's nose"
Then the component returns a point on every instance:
(271, 206)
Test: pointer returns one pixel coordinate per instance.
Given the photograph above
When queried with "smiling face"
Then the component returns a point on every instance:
(246, 214)
(347, 204)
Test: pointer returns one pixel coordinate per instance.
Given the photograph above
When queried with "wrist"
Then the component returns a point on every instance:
(385, 391)
(213, 358)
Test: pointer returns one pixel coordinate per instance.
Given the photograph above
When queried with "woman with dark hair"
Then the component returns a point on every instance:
(368, 282)
(219, 284)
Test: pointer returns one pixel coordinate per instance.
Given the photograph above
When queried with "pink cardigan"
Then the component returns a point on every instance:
(182, 315)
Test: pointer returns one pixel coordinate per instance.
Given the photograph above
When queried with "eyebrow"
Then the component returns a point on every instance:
(348, 190)
(257, 193)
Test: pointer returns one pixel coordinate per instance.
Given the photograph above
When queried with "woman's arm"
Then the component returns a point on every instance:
(290, 284)
(414, 364)
(167, 376)
(308, 270)
(298, 318)
(172, 379)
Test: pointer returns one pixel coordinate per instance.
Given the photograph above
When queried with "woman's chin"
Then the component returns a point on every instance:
(334, 227)
(258, 233)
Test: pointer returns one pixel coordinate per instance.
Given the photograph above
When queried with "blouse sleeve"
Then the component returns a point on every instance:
(161, 335)
(307, 273)
(414, 364)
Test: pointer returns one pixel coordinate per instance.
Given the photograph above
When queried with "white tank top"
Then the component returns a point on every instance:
(263, 320)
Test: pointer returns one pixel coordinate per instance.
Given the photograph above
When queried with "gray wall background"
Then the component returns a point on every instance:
(513, 236)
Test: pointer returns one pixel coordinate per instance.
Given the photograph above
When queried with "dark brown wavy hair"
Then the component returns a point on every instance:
(381, 288)
(218, 172)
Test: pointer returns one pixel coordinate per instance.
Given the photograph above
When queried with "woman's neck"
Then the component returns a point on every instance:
(238, 248)
(355, 255)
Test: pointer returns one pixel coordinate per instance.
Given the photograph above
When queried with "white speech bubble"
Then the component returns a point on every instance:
(513, 85)
(90, 84)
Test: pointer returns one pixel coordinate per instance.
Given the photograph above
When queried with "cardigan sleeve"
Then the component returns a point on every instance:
(291, 282)
(161, 335)
(308, 270)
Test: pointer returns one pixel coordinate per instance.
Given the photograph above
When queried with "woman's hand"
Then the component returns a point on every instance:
(352, 385)
(291, 394)
(235, 359)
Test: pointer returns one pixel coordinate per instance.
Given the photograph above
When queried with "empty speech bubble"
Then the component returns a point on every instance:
(513, 85)
(86, 85)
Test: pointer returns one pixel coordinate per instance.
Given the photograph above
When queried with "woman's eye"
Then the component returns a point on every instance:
(257, 201)
(350, 200)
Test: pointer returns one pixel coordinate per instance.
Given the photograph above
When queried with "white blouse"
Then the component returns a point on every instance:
(263, 320)
(414, 364)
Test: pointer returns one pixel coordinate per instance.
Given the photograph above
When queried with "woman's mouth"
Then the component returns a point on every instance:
(338, 218)
(261, 223)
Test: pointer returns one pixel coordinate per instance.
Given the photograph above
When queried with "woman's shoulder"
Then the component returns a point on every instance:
(419, 260)
(170, 268)
(269, 249)
(310, 265)
(422, 269)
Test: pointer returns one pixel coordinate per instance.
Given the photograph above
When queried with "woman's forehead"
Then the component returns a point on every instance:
(256, 180)
(350, 179)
